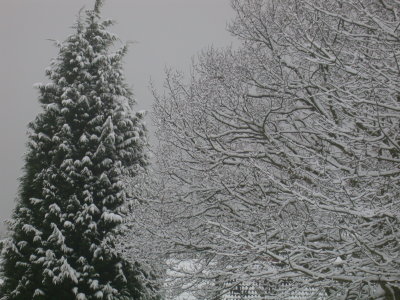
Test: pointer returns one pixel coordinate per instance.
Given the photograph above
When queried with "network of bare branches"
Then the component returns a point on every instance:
(280, 161)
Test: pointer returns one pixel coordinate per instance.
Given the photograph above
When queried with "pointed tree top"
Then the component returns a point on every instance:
(98, 5)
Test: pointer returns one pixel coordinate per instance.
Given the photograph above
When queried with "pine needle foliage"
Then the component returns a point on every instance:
(86, 139)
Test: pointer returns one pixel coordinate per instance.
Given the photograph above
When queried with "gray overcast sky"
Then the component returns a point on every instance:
(167, 32)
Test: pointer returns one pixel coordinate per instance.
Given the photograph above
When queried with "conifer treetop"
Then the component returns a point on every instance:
(98, 5)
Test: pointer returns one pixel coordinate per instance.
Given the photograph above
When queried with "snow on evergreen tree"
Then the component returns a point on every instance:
(80, 147)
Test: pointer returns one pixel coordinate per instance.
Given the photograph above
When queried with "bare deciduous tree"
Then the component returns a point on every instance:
(281, 158)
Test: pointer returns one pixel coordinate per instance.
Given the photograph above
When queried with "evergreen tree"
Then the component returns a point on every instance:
(80, 147)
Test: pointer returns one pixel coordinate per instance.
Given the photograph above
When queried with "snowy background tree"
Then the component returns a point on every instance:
(80, 147)
(280, 159)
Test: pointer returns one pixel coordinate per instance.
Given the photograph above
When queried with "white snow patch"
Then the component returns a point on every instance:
(38, 292)
(94, 285)
(81, 296)
(338, 261)
(111, 217)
